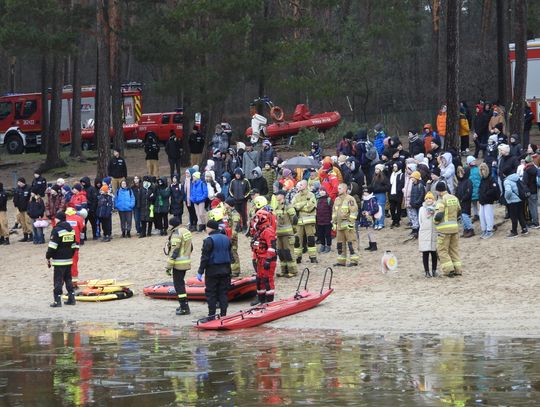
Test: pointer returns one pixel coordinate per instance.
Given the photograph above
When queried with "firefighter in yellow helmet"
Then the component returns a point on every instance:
(179, 248)
(305, 204)
(344, 214)
(285, 216)
(447, 212)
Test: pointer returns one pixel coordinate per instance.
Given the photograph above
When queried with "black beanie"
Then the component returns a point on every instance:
(60, 215)
(174, 221)
(441, 186)
(213, 224)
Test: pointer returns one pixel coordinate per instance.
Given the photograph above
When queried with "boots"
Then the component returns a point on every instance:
(128, 234)
(30, 237)
(123, 233)
(372, 247)
(261, 299)
(2, 240)
(322, 249)
(57, 302)
(269, 298)
(327, 249)
(313, 259)
(25, 238)
(71, 299)
(427, 274)
(6, 241)
(183, 309)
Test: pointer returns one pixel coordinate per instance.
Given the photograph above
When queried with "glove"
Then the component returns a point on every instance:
(295, 220)
(350, 227)
(168, 271)
(199, 277)
(334, 227)
(267, 265)
(48, 263)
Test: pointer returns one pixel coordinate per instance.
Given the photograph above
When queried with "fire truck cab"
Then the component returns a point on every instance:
(532, 93)
(162, 124)
(20, 117)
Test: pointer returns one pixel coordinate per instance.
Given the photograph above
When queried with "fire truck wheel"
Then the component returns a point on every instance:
(14, 144)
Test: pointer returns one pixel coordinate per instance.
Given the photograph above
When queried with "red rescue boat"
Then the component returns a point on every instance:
(240, 288)
(301, 301)
(302, 118)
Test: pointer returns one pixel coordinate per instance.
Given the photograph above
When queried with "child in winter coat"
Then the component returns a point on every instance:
(225, 183)
(161, 206)
(104, 212)
(464, 193)
(397, 182)
(125, 202)
(212, 187)
(427, 235)
(36, 210)
(324, 221)
(199, 194)
(369, 211)
(416, 199)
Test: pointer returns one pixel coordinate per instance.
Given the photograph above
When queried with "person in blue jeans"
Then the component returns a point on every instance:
(36, 210)
(380, 185)
(124, 202)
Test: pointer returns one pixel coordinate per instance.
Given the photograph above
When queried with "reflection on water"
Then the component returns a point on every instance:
(64, 364)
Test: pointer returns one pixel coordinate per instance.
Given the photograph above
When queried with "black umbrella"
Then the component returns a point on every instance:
(301, 162)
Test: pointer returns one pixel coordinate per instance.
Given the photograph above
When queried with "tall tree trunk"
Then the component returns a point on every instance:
(520, 71)
(116, 83)
(487, 6)
(103, 92)
(76, 139)
(502, 51)
(44, 103)
(452, 72)
(436, 43)
(53, 159)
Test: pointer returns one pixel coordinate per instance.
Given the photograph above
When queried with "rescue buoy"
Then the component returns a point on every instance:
(388, 262)
(276, 113)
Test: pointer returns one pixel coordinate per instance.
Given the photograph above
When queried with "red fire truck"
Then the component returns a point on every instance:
(532, 93)
(162, 124)
(20, 117)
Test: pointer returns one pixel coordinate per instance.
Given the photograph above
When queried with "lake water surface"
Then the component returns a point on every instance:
(44, 363)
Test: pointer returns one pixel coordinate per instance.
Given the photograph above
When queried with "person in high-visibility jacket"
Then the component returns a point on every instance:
(305, 204)
(285, 215)
(344, 214)
(447, 212)
(234, 221)
(179, 248)
(62, 246)
(77, 224)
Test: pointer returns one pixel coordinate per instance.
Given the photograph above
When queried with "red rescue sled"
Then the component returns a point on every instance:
(240, 288)
(302, 118)
(301, 301)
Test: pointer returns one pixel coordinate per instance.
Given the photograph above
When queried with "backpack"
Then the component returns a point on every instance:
(523, 190)
(362, 148)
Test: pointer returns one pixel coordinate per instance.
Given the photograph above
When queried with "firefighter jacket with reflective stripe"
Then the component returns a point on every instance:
(264, 244)
(284, 215)
(447, 211)
(62, 245)
(181, 247)
(305, 204)
(344, 212)
(234, 221)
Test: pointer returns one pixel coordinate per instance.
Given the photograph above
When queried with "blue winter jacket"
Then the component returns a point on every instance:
(199, 192)
(225, 186)
(105, 206)
(379, 142)
(511, 193)
(125, 200)
(475, 178)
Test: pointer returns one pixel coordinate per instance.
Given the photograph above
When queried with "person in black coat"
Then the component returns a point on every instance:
(117, 170)
(21, 197)
(174, 151)
(416, 144)
(39, 184)
(151, 149)
(146, 200)
(4, 231)
(177, 198)
(258, 182)
(196, 146)
(397, 182)
(464, 192)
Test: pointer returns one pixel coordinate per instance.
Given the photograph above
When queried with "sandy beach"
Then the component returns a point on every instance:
(496, 294)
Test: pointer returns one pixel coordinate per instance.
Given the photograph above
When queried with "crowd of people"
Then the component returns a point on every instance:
(372, 181)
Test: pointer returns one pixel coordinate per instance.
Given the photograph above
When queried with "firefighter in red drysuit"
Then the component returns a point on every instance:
(77, 224)
(263, 245)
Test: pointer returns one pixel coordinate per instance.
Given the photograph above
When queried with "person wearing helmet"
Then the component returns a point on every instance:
(179, 248)
(234, 222)
(263, 245)
(305, 204)
(344, 214)
(285, 217)
(77, 224)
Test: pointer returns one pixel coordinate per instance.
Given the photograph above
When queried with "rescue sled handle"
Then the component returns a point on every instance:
(328, 269)
(301, 279)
